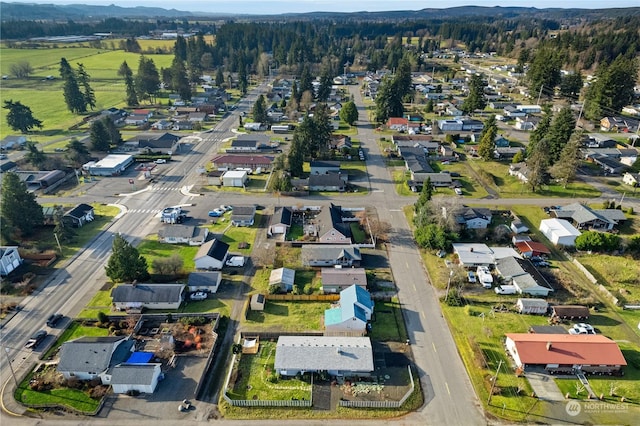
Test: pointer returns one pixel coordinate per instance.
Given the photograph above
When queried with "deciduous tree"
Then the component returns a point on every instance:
(349, 113)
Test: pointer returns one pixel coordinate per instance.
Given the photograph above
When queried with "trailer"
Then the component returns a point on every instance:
(281, 128)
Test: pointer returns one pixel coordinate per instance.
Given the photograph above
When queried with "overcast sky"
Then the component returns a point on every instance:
(288, 6)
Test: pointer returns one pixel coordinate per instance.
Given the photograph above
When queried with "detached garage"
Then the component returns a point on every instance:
(235, 178)
(142, 378)
(559, 231)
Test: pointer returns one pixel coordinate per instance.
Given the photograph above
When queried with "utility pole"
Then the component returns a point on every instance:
(58, 241)
(540, 94)
(6, 351)
(446, 296)
(493, 382)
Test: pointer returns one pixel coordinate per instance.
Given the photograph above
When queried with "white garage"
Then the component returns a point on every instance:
(559, 231)
(235, 178)
(142, 378)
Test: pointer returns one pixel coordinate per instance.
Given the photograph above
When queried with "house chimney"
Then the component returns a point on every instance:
(548, 346)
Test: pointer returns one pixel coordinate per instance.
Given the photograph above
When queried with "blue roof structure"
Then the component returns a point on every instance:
(356, 294)
(140, 358)
(344, 313)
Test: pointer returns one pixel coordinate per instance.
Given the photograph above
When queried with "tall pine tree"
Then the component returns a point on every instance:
(73, 96)
(20, 212)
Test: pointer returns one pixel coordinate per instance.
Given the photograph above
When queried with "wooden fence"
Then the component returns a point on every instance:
(304, 297)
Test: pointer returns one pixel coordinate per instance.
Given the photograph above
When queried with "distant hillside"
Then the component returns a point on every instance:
(22, 11)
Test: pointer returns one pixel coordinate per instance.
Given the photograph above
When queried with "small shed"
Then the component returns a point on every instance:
(257, 302)
(532, 306)
(559, 231)
(251, 345)
(235, 178)
(283, 278)
(571, 312)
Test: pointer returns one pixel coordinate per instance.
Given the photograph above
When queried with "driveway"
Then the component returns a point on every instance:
(544, 386)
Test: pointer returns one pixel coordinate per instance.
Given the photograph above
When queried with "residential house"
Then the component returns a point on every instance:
(399, 124)
(588, 353)
(507, 153)
(619, 124)
(283, 278)
(249, 143)
(472, 255)
(559, 231)
(243, 215)
(162, 125)
(88, 358)
(340, 142)
(445, 151)
(183, 234)
(143, 112)
(335, 280)
(327, 182)
(472, 217)
(472, 125)
(143, 378)
(197, 117)
(512, 111)
(570, 312)
(520, 171)
(526, 123)
(598, 140)
(328, 226)
(322, 167)
(450, 125)
(79, 215)
(182, 125)
(453, 111)
(280, 222)
(211, 255)
(517, 226)
(230, 162)
(502, 142)
(329, 255)
(426, 142)
(352, 313)
(584, 217)
(149, 296)
(12, 142)
(529, 109)
(530, 249)
(10, 259)
(135, 120)
(523, 276)
(208, 281)
(235, 178)
(632, 179)
(532, 306)
(164, 143)
(337, 355)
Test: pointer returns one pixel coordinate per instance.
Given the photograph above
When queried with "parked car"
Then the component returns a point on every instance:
(226, 208)
(471, 277)
(3, 156)
(458, 191)
(199, 295)
(216, 213)
(54, 319)
(160, 161)
(237, 261)
(582, 328)
(35, 340)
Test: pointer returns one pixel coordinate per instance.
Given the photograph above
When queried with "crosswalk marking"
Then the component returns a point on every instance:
(165, 188)
(145, 211)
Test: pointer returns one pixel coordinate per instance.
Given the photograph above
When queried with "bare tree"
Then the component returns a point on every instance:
(22, 69)
(168, 266)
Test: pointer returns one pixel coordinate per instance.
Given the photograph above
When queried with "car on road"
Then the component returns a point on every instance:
(458, 191)
(3, 156)
(216, 213)
(226, 208)
(53, 320)
(471, 277)
(160, 161)
(35, 339)
(199, 295)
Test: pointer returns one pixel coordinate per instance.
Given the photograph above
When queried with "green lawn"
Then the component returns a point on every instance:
(242, 234)
(621, 275)
(73, 398)
(359, 236)
(256, 378)
(287, 316)
(214, 304)
(151, 248)
(388, 322)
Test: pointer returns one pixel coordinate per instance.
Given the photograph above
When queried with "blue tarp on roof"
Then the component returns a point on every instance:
(140, 358)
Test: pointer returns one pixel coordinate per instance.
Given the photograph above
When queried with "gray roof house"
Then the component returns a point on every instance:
(327, 182)
(183, 234)
(79, 215)
(520, 272)
(471, 217)
(211, 255)
(280, 221)
(243, 215)
(334, 280)
(337, 355)
(283, 278)
(150, 296)
(320, 167)
(204, 281)
(328, 226)
(584, 217)
(87, 358)
(10, 259)
(330, 254)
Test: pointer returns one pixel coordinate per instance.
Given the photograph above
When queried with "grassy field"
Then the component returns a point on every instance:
(256, 378)
(151, 248)
(621, 275)
(236, 235)
(76, 399)
(287, 316)
(388, 322)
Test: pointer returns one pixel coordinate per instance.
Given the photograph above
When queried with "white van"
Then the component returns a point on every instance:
(505, 289)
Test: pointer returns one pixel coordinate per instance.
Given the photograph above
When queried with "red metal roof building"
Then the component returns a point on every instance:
(586, 352)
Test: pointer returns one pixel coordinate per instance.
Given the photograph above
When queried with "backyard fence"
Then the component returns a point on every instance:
(594, 280)
(381, 404)
(304, 297)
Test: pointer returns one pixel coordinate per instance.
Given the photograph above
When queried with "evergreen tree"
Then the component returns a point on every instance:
(20, 212)
(99, 136)
(613, 88)
(487, 143)
(349, 113)
(83, 80)
(180, 48)
(539, 133)
(148, 79)
(115, 138)
(388, 101)
(77, 153)
(306, 81)
(219, 77)
(429, 108)
(571, 85)
(34, 155)
(559, 133)
(324, 90)
(476, 99)
(126, 264)
(179, 81)
(259, 111)
(544, 71)
(129, 82)
(73, 97)
(64, 232)
(295, 157)
(20, 116)
(538, 165)
(566, 168)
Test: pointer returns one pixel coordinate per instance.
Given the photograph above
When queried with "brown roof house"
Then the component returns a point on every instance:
(570, 312)
(334, 280)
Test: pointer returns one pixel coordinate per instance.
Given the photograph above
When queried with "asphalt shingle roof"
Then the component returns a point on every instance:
(147, 293)
(312, 353)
